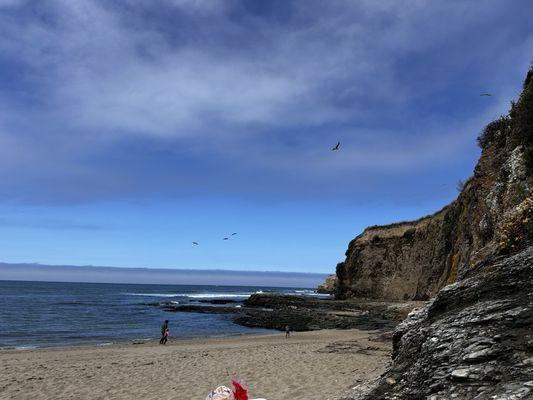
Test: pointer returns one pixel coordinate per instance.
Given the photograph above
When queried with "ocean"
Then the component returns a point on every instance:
(50, 314)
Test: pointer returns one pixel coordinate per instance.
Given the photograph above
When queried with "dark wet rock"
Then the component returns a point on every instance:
(219, 301)
(201, 309)
(276, 311)
(328, 286)
(473, 341)
(304, 314)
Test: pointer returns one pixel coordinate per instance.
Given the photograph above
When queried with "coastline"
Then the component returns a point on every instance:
(77, 314)
(136, 342)
(309, 365)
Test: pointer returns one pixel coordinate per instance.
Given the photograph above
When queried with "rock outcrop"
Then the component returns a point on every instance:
(413, 260)
(474, 340)
(328, 286)
(276, 311)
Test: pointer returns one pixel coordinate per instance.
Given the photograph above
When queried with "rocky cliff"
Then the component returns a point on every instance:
(474, 339)
(328, 286)
(413, 260)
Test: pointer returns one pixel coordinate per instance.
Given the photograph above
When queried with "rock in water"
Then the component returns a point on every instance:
(328, 286)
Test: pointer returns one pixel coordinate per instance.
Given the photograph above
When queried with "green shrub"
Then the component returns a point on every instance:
(529, 76)
(461, 185)
(523, 119)
(494, 132)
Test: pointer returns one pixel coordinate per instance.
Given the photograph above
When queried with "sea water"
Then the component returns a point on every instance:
(49, 314)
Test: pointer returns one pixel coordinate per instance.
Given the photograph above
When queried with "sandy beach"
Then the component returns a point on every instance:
(316, 365)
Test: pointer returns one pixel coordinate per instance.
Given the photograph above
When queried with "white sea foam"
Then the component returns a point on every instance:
(244, 295)
(216, 295)
(25, 347)
(311, 293)
(220, 295)
(154, 294)
(198, 295)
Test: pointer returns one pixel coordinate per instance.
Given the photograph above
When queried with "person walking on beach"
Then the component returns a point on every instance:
(164, 333)
(287, 331)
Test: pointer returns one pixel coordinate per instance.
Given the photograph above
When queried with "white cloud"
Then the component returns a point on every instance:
(11, 3)
(91, 66)
(99, 78)
(200, 5)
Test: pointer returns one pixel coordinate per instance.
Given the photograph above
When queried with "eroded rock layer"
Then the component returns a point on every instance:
(473, 341)
(413, 260)
(328, 286)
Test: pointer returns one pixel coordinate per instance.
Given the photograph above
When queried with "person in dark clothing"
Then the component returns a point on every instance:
(287, 331)
(164, 333)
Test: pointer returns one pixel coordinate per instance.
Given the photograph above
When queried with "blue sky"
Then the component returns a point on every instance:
(129, 129)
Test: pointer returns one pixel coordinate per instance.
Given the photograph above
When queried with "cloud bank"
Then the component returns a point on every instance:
(66, 273)
(104, 100)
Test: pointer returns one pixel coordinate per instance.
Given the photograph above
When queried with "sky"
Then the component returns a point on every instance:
(130, 129)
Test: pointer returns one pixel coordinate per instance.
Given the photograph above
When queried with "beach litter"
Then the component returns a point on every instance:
(225, 393)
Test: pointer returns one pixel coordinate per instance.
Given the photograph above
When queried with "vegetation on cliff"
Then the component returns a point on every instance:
(491, 216)
(473, 340)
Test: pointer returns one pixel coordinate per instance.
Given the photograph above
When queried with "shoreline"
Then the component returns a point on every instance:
(309, 365)
(267, 314)
(137, 342)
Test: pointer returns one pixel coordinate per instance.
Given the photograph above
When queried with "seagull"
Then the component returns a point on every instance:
(336, 146)
(195, 243)
(485, 94)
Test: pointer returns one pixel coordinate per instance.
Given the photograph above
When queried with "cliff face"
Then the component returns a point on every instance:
(328, 286)
(474, 341)
(413, 260)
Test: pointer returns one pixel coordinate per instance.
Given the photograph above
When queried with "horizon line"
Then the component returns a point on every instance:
(163, 268)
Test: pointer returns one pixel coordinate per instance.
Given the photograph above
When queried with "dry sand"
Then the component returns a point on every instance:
(313, 366)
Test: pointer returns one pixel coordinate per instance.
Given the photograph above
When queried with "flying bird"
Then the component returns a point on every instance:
(485, 94)
(195, 243)
(234, 233)
(226, 238)
(336, 146)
